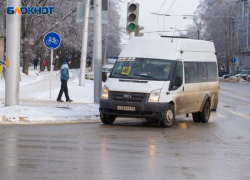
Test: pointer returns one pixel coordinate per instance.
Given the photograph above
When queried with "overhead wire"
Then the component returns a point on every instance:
(158, 13)
(171, 6)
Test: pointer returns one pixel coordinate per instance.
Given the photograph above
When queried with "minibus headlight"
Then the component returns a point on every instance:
(105, 93)
(154, 96)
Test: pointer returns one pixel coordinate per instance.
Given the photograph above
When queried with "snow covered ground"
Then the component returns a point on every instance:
(36, 106)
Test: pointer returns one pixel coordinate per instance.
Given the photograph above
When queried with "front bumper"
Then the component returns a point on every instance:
(143, 110)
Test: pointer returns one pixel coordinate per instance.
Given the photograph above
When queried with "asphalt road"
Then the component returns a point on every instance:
(135, 149)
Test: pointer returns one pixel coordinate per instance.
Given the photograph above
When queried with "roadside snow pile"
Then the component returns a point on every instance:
(231, 79)
(48, 114)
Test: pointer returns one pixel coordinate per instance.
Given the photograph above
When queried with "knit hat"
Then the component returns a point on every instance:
(68, 59)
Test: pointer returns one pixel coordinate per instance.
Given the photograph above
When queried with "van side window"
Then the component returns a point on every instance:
(191, 72)
(202, 72)
(212, 71)
(177, 79)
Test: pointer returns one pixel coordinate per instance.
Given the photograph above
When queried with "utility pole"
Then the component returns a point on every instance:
(233, 46)
(97, 53)
(105, 50)
(84, 44)
(13, 41)
(248, 33)
(106, 43)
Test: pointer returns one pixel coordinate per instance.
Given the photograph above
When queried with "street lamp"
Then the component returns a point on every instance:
(233, 11)
(197, 24)
(177, 29)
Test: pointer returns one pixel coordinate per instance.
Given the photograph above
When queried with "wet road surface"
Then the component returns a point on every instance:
(135, 149)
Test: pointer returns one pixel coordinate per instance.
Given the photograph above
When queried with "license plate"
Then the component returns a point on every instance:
(125, 108)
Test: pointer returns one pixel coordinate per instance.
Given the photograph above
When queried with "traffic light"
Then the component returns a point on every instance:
(137, 31)
(133, 17)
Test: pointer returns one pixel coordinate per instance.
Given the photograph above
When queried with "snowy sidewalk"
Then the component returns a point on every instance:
(37, 107)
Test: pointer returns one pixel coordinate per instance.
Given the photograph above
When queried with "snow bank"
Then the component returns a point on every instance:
(49, 114)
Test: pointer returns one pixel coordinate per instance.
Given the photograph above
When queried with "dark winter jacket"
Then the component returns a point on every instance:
(65, 71)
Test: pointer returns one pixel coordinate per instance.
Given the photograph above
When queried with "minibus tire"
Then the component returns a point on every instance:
(205, 114)
(170, 113)
(108, 119)
(196, 117)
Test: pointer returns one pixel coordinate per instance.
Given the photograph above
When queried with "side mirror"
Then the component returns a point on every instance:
(178, 81)
(104, 76)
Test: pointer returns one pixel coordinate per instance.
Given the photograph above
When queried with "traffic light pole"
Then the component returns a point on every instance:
(131, 35)
(13, 25)
(84, 44)
(97, 53)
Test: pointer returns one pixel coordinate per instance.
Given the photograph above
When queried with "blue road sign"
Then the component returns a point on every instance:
(233, 60)
(52, 40)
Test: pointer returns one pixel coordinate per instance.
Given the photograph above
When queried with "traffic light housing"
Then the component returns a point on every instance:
(132, 17)
(137, 31)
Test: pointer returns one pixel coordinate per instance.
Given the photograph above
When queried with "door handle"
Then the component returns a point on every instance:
(183, 88)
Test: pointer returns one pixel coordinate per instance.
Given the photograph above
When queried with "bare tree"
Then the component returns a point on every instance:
(217, 17)
(62, 21)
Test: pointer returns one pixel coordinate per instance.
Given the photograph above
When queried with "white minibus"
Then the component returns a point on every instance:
(160, 78)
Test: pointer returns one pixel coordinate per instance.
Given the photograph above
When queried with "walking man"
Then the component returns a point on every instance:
(64, 79)
(35, 62)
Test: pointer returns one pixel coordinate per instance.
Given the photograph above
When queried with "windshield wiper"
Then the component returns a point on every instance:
(145, 76)
(122, 75)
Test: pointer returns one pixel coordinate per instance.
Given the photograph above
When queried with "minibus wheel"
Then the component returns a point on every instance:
(169, 117)
(107, 119)
(205, 114)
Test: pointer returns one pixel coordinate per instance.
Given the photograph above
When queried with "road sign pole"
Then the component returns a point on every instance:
(51, 69)
(84, 45)
(97, 58)
(52, 41)
(13, 25)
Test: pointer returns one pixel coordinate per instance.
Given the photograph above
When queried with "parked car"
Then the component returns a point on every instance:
(226, 76)
(248, 78)
(244, 76)
(107, 68)
(221, 73)
(239, 75)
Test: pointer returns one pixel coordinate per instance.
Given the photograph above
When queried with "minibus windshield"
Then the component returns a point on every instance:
(142, 69)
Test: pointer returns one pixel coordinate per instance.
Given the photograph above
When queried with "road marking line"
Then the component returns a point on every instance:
(235, 113)
(216, 114)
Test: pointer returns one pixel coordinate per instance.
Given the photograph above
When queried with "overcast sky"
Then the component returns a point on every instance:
(149, 21)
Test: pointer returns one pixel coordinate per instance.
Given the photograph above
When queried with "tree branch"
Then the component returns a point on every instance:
(53, 26)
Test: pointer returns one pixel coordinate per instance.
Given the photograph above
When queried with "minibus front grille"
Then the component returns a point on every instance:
(128, 97)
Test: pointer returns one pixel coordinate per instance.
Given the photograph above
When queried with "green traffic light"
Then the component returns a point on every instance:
(131, 27)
